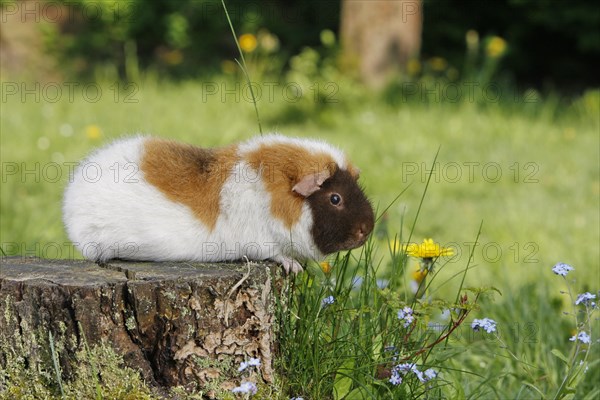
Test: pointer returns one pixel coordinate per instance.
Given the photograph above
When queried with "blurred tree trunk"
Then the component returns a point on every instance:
(380, 36)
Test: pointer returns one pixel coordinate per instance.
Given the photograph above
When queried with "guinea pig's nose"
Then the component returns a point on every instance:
(363, 230)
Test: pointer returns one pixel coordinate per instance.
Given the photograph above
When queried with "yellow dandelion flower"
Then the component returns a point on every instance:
(438, 63)
(248, 42)
(228, 67)
(93, 132)
(496, 47)
(413, 66)
(419, 274)
(325, 266)
(472, 39)
(173, 57)
(427, 249)
(574, 332)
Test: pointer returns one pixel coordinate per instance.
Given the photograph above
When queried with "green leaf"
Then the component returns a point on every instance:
(483, 289)
(578, 375)
(343, 383)
(535, 388)
(560, 355)
(495, 289)
(377, 344)
(358, 394)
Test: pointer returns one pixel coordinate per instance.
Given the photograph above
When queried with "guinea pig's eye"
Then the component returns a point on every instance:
(335, 199)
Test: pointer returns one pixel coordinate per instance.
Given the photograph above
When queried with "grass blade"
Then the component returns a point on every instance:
(56, 364)
(469, 262)
(243, 66)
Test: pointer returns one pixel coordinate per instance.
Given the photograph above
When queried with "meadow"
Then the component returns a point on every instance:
(522, 166)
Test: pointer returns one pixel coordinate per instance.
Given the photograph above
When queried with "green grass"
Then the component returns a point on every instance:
(541, 210)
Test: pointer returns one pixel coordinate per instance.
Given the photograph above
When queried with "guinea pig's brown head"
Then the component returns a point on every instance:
(343, 217)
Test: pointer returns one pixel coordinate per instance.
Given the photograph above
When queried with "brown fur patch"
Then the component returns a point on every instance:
(281, 167)
(188, 174)
(354, 171)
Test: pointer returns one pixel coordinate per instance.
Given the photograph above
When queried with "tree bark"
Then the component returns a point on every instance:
(380, 36)
(163, 318)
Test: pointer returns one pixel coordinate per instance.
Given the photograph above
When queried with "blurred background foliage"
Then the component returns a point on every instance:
(549, 44)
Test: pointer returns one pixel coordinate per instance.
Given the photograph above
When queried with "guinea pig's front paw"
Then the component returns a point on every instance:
(289, 264)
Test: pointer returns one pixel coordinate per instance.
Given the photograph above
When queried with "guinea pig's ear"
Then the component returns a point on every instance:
(354, 172)
(311, 183)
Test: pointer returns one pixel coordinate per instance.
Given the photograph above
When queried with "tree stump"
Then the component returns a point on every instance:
(180, 324)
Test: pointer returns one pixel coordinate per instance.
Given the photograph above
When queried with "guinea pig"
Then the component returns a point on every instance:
(271, 197)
